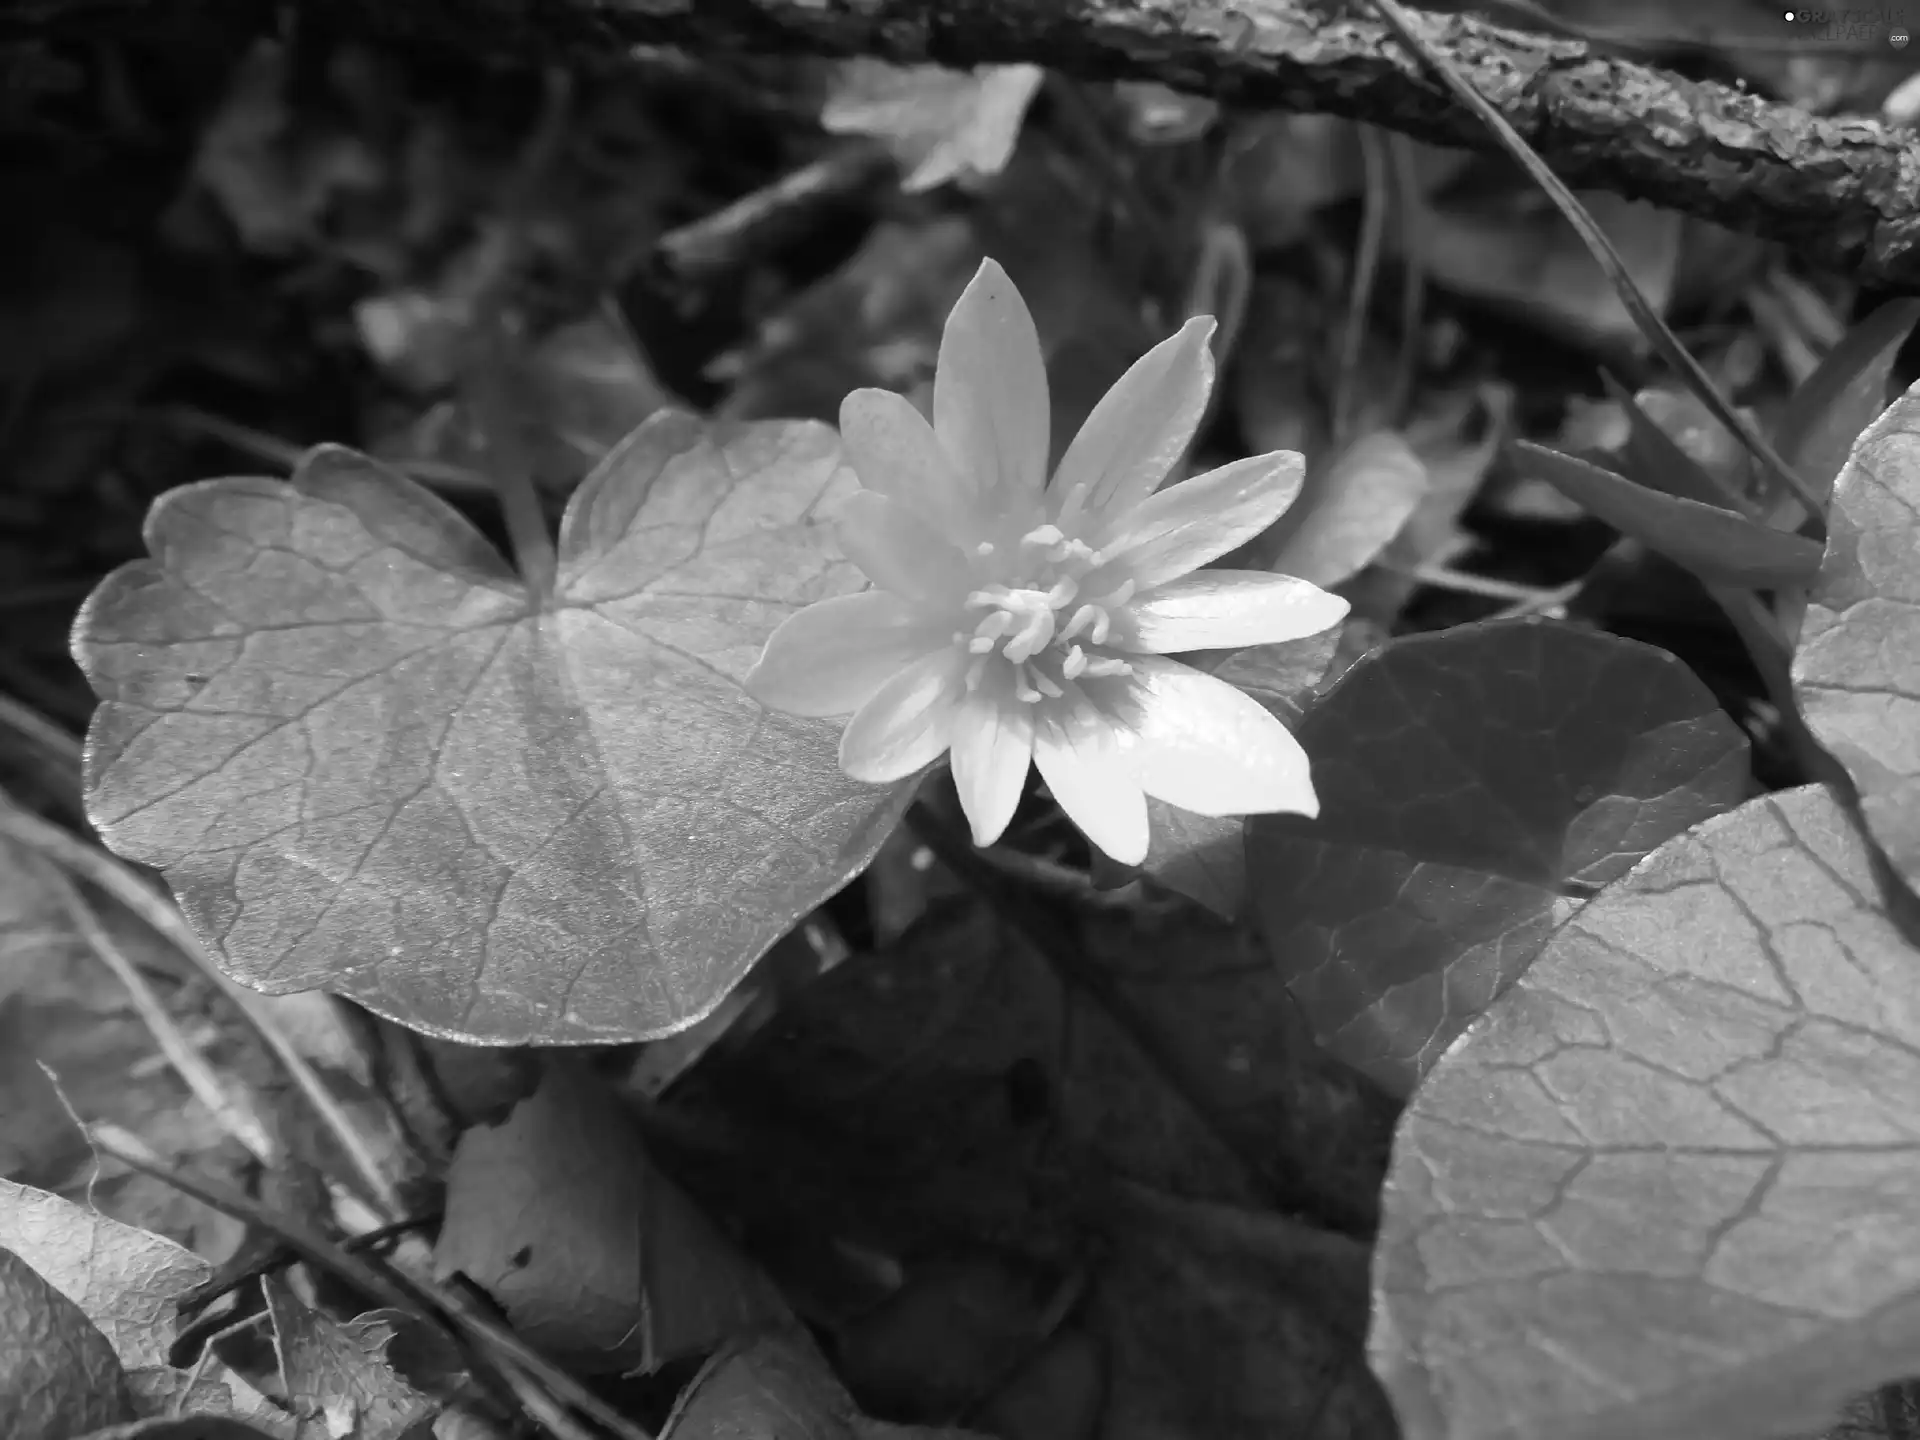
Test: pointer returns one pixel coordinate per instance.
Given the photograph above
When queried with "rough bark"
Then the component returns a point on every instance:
(1846, 191)
(1843, 191)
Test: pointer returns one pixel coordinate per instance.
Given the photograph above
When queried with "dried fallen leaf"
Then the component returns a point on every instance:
(1664, 1188)
(942, 124)
(338, 1375)
(58, 1375)
(592, 1253)
(128, 1281)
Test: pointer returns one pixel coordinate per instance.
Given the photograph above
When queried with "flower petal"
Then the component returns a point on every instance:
(990, 406)
(1140, 428)
(829, 658)
(901, 551)
(907, 722)
(992, 751)
(1215, 609)
(1095, 785)
(1208, 747)
(894, 451)
(1184, 526)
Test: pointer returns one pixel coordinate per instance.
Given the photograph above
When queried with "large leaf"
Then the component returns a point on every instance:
(1717, 545)
(367, 761)
(1857, 671)
(1474, 786)
(1665, 1187)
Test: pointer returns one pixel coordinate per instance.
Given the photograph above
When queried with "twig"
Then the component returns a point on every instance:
(758, 223)
(1844, 190)
(110, 874)
(236, 1119)
(1649, 323)
(387, 1286)
(1375, 203)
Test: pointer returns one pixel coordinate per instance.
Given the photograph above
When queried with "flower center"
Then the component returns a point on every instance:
(1036, 628)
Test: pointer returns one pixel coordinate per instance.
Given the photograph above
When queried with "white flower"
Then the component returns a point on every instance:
(1013, 620)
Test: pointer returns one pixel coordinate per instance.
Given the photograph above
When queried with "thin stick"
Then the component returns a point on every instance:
(236, 1119)
(110, 874)
(389, 1287)
(1650, 324)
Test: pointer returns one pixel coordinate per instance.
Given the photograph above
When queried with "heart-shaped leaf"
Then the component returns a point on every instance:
(368, 762)
(1857, 671)
(1665, 1187)
(1475, 785)
(1821, 420)
(1715, 544)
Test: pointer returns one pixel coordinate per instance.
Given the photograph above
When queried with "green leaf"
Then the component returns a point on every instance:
(1715, 544)
(1475, 785)
(592, 1253)
(1664, 1189)
(58, 1375)
(1658, 460)
(1857, 670)
(1821, 419)
(337, 1376)
(365, 762)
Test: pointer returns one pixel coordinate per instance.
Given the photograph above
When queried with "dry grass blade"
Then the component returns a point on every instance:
(1595, 239)
(388, 1287)
(103, 870)
(234, 1116)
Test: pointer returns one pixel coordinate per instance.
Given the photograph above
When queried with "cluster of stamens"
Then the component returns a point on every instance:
(1024, 624)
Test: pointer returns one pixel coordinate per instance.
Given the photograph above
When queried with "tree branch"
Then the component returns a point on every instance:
(1845, 191)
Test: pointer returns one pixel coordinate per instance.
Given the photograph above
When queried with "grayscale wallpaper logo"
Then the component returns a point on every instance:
(1854, 25)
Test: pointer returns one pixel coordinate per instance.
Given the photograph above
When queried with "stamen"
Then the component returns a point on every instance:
(1075, 663)
(975, 671)
(1022, 691)
(1044, 535)
(992, 595)
(994, 626)
(1098, 635)
(984, 549)
(1047, 687)
(1083, 617)
(1034, 637)
(1108, 665)
(1062, 592)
